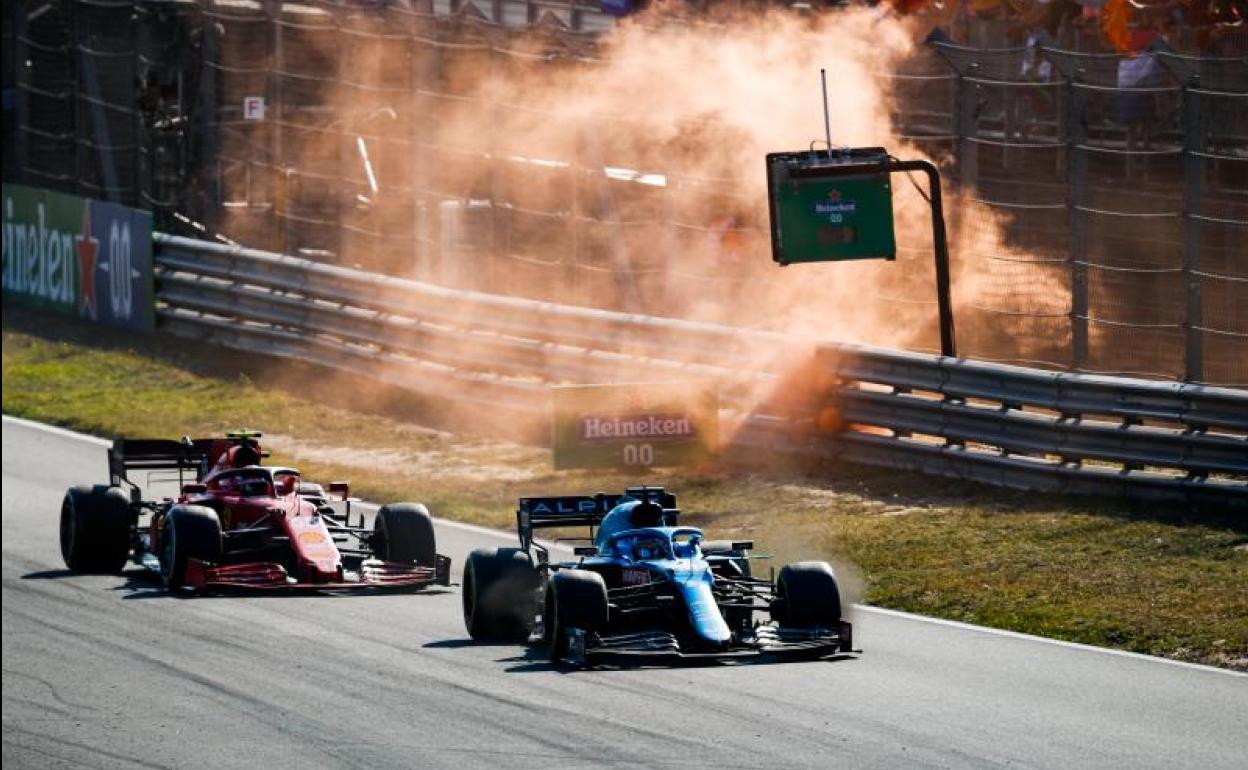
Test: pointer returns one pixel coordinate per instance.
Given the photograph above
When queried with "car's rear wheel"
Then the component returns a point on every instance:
(95, 529)
(807, 595)
(500, 594)
(188, 532)
(403, 533)
(574, 599)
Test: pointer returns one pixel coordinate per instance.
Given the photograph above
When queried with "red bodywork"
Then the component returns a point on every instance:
(275, 538)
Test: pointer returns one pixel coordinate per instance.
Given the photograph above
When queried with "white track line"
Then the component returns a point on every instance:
(63, 432)
(474, 528)
(1046, 640)
(504, 535)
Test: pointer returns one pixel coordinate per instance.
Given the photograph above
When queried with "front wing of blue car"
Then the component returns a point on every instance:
(768, 642)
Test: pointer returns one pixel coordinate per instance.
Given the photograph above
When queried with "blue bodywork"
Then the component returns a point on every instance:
(665, 597)
(668, 554)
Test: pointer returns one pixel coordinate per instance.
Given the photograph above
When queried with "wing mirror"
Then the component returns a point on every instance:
(194, 489)
(743, 545)
(287, 484)
(585, 550)
(340, 488)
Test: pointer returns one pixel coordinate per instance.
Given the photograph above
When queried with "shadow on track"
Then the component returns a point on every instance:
(49, 574)
(139, 583)
(533, 659)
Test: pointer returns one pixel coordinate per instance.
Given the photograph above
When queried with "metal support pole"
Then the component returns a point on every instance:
(274, 115)
(490, 276)
(21, 84)
(345, 243)
(1076, 193)
(1193, 188)
(206, 124)
(76, 56)
(940, 243)
(940, 247)
(144, 195)
(576, 182)
(966, 126)
(419, 131)
(827, 121)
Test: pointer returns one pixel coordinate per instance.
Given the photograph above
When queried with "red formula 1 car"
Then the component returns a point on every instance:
(240, 524)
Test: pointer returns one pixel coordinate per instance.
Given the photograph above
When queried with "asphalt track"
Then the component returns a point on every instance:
(110, 672)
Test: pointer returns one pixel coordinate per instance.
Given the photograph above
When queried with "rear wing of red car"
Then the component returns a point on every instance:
(155, 454)
(579, 510)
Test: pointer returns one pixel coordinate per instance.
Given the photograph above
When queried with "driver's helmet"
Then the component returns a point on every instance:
(622, 517)
(618, 519)
(238, 456)
(649, 548)
(243, 455)
(253, 487)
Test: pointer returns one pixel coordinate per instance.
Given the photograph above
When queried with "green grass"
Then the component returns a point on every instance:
(1143, 578)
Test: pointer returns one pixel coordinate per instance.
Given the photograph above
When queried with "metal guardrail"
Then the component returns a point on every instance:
(998, 424)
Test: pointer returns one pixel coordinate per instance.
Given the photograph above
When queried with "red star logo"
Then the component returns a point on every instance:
(834, 195)
(87, 248)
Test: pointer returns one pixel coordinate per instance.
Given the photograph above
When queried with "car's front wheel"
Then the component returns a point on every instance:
(575, 599)
(807, 596)
(403, 532)
(188, 532)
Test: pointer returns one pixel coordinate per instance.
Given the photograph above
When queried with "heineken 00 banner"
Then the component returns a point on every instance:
(635, 425)
(77, 256)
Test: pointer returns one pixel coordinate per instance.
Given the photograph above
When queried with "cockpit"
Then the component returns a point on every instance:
(643, 546)
(657, 544)
(245, 482)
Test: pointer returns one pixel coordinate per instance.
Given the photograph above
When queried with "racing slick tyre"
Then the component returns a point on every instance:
(574, 599)
(95, 529)
(807, 595)
(500, 594)
(190, 532)
(403, 532)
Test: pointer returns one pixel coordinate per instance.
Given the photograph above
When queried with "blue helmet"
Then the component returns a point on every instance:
(630, 514)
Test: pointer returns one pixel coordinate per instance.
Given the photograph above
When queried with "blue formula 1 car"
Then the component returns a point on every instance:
(647, 588)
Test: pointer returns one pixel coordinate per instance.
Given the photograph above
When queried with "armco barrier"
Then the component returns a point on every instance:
(1004, 425)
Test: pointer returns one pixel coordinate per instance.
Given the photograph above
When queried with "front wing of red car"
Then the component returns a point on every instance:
(373, 574)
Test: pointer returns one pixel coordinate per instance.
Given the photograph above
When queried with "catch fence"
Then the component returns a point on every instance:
(1124, 248)
(1098, 226)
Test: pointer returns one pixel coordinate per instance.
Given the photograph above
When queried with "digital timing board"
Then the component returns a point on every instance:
(828, 207)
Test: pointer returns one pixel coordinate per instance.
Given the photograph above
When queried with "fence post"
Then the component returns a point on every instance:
(1193, 188)
(143, 31)
(577, 177)
(421, 127)
(21, 82)
(1076, 181)
(207, 128)
(75, 59)
(490, 276)
(343, 203)
(965, 126)
(273, 113)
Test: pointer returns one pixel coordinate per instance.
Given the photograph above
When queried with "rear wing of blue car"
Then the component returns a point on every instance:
(579, 510)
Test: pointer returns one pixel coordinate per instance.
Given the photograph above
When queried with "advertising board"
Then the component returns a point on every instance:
(634, 425)
(829, 209)
(77, 256)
